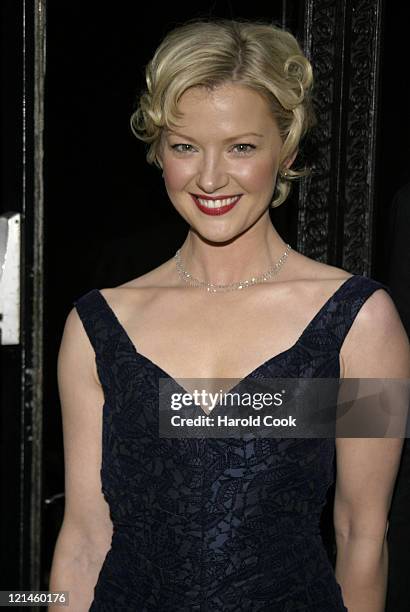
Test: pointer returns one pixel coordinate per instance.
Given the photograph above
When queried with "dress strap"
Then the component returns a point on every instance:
(342, 308)
(99, 327)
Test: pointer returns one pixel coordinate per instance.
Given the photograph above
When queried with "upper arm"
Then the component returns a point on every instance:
(81, 396)
(377, 346)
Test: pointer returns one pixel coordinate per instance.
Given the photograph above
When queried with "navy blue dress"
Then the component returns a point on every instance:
(214, 524)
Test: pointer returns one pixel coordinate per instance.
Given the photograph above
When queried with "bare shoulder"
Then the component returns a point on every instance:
(76, 356)
(304, 267)
(378, 317)
(139, 291)
(124, 300)
(377, 345)
(320, 277)
(74, 340)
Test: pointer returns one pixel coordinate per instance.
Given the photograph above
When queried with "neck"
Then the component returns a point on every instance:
(248, 255)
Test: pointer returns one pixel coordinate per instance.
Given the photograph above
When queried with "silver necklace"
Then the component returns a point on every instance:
(194, 282)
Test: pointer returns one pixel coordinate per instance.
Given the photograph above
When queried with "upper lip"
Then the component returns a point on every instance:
(220, 197)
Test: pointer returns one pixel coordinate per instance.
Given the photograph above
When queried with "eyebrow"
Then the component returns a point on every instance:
(171, 133)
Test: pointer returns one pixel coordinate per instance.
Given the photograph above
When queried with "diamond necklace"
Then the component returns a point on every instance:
(194, 282)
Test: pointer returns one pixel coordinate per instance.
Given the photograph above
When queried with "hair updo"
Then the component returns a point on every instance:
(208, 54)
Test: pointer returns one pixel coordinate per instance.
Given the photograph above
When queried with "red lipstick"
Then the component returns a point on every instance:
(215, 211)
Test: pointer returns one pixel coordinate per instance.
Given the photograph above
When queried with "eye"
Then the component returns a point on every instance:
(175, 147)
(250, 147)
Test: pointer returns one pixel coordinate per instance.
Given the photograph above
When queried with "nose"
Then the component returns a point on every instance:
(212, 174)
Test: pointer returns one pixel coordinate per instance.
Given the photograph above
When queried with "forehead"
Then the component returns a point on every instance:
(227, 104)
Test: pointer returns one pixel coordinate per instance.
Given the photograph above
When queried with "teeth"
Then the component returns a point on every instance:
(217, 203)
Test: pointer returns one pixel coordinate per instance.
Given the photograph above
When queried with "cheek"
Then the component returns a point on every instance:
(258, 176)
(177, 174)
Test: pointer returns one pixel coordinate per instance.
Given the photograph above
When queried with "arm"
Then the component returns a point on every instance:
(376, 347)
(85, 534)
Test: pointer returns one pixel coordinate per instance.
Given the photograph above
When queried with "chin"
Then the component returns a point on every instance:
(218, 237)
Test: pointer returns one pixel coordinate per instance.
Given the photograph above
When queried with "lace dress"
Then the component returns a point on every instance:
(212, 524)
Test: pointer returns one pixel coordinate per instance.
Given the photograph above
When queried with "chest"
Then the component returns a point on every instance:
(222, 338)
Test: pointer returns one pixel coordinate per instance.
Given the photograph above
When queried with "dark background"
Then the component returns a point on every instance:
(107, 214)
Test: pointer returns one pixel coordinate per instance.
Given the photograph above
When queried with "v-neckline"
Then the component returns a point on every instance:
(251, 374)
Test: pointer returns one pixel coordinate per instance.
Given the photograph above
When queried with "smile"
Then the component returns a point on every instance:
(215, 207)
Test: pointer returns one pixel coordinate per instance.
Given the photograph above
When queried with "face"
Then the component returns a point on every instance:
(226, 146)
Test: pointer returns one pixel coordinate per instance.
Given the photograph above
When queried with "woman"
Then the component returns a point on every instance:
(223, 524)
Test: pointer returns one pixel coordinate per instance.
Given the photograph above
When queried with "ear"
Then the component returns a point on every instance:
(289, 161)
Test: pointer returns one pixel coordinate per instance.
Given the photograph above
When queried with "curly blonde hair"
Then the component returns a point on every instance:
(208, 53)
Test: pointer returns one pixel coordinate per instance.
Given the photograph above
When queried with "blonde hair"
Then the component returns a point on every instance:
(209, 53)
